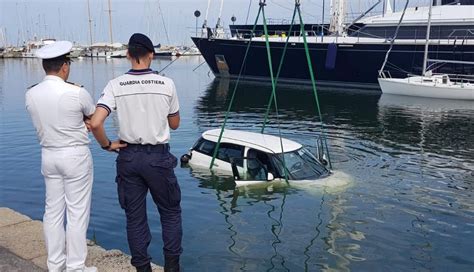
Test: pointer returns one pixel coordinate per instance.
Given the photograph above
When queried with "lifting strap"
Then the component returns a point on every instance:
(310, 67)
(216, 149)
(274, 81)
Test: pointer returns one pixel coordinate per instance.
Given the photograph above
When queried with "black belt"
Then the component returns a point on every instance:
(160, 148)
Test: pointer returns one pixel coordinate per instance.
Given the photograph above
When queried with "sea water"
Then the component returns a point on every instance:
(408, 164)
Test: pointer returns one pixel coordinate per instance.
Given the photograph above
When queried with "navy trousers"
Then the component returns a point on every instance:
(149, 167)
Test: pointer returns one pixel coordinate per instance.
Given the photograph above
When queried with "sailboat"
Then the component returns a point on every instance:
(431, 85)
(103, 50)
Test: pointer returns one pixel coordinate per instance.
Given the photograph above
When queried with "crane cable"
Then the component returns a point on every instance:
(310, 67)
(274, 81)
(260, 11)
(235, 89)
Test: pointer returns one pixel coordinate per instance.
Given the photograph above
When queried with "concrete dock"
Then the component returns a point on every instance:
(22, 247)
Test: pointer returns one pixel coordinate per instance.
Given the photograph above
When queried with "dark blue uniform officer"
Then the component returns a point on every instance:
(147, 107)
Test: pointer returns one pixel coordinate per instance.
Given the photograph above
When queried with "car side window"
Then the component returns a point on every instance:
(204, 146)
(263, 158)
(229, 151)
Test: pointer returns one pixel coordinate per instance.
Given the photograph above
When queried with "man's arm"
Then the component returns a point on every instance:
(87, 106)
(173, 116)
(173, 121)
(97, 128)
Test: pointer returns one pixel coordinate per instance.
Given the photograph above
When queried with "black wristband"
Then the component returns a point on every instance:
(108, 146)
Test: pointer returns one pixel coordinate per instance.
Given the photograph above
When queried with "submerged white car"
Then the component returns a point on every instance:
(253, 158)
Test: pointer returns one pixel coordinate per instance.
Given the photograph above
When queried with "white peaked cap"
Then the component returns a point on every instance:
(54, 50)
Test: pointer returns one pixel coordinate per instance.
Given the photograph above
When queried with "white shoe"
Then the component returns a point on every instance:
(86, 269)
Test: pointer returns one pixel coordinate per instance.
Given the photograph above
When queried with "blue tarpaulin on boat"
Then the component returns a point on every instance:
(331, 56)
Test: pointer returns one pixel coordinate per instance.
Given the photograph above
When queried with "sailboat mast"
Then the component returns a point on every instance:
(220, 14)
(337, 17)
(110, 24)
(90, 22)
(428, 29)
(207, 13)
(163, 22)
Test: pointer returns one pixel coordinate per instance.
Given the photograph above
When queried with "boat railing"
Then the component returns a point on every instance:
(385, 74)
(278, 21)
(245, 33)
(460, 78)
(460, 33)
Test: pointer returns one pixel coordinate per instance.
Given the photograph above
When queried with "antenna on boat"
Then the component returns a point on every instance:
(337, 16)
(219, 28)
(110, 25)
(90, 21)
(388, 7)
(204, 25)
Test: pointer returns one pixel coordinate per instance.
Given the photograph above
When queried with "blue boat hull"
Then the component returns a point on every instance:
(353, 64)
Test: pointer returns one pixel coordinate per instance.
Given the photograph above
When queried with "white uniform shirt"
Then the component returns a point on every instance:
(143, 100)
(57, 109)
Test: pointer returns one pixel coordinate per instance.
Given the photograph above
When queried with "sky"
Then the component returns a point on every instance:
(164, 21)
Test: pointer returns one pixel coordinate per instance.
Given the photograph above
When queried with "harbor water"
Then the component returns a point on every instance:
(407, 164)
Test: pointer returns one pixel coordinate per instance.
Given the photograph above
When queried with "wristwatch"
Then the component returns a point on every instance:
(107, 146)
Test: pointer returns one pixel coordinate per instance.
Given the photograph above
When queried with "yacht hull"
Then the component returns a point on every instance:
(354, 63)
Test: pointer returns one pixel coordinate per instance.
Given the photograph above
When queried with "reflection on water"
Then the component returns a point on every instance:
(409, 205)
(276, 209)
(412, 160)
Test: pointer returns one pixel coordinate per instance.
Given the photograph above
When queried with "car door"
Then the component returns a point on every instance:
(204, 150)
(254, 171)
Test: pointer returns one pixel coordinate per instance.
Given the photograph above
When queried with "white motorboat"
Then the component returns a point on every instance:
(31, 47)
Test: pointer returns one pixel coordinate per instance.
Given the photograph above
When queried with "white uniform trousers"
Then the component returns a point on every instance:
(68, 175)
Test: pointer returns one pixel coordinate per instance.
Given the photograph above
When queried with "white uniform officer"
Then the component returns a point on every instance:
(147, 108)
(58, 110)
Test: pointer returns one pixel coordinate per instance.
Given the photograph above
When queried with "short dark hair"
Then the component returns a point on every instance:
(137, 52)
(54, 64)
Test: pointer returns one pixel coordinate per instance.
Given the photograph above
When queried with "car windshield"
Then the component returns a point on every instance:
(301, 164)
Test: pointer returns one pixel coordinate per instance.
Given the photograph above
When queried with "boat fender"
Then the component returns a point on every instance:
(331, 56)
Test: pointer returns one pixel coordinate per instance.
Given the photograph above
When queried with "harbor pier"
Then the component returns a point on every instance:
(22, 247)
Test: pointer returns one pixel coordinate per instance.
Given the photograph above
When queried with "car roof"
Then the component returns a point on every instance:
(263, 142)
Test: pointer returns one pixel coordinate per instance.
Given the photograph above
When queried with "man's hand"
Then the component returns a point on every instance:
(88, 124)
(115, 146)
(97, 126)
